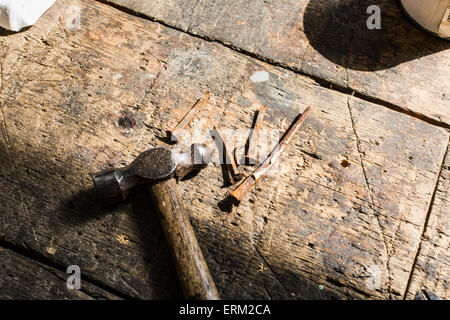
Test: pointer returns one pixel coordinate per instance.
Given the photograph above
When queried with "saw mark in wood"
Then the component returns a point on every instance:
(425, 226)
(369, 191)
(271, 270)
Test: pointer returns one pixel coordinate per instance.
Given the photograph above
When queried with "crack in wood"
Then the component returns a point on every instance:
(266, 291)
(271, 269)
(371, 203)
(329, 84)
(37, 257)
(284, 186)
(58, 276)
(425, 225)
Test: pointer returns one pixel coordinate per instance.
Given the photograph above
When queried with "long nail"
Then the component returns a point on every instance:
(250, 155)
(188, 117)
(238, 193)
(235, 174)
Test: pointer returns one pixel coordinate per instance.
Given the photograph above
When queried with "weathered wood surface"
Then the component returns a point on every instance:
(23, 278)
(399, 64)
(432, 266)
(342, 219)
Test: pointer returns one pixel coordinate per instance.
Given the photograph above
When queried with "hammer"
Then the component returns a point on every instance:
(160, 167)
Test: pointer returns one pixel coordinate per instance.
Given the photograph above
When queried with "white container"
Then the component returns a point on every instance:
(431, 15)
(18, 14)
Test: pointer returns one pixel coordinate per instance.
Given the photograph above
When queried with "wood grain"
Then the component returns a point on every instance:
(400, 65)
(341, 217)
(23, 278)
(432, 266)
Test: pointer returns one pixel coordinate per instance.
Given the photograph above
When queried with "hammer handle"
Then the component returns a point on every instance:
(193, 272)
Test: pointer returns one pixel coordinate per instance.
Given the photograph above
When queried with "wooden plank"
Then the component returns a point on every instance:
(399, 64)
(342, 219)
(432, 267)
(46, 179)
(23, 278)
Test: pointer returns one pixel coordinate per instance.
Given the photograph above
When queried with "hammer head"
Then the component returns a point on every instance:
(151, 165)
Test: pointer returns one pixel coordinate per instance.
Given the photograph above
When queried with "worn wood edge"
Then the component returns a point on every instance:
(324, 82)
(45, 282)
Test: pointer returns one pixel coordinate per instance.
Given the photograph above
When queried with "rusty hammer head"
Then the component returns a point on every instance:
(152, 164)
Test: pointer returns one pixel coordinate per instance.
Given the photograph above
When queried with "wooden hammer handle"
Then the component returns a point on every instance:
(193, 272)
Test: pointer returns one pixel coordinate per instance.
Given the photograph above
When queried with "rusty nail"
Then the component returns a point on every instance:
(188, 117)
(235, 174)
(235, 157)
(251, 154)
(238, 193)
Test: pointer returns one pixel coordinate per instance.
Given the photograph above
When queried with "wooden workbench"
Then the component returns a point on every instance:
(358, 209)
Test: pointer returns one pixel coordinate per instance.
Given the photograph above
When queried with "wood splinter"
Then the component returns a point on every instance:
(251, 154)
(238, 193)
(188, 117)
(225, 155)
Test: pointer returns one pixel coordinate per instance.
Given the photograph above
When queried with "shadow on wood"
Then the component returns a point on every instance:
(338, 31)
(69, 228)
(151, 236)
(5, 32)
(86, 206)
